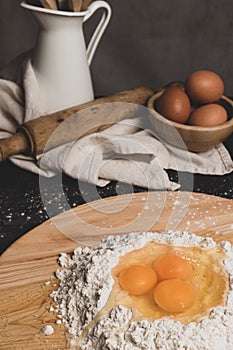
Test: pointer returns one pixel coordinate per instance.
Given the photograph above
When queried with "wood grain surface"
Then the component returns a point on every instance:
(31, 261)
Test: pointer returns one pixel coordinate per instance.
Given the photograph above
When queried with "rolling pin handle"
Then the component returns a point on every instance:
(13, 145)
(2, 156)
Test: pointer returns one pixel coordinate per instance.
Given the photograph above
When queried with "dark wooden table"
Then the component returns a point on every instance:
(22, 207)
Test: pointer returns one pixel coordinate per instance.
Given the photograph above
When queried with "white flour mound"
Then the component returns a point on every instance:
(86, 283)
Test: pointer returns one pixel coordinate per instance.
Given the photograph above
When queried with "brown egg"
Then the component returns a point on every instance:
(204, 86)
(174, 104)
(208, 115)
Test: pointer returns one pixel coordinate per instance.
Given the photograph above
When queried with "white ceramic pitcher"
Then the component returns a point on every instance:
(61, 60)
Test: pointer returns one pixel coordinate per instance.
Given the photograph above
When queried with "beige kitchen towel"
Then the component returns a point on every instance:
(124, 152)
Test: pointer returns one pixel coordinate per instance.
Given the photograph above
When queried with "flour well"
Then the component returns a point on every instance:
(86, 283)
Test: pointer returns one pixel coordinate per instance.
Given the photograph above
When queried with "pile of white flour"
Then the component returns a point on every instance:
(86, 283)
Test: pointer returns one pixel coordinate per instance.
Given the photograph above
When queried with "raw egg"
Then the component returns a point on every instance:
(209, 281)
(137, 279)
(173, 266)
(174, 104)
(208, 115)
(174, 295)
(204, 86)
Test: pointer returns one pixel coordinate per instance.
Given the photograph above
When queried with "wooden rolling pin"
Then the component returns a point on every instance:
(32, 137)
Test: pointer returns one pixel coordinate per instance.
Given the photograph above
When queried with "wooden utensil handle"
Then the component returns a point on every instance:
(75, 5)
(33, 136)
(85, 4)
(49, 4)
(16, 144)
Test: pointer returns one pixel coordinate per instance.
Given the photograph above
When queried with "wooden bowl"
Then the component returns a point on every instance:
(191, 138)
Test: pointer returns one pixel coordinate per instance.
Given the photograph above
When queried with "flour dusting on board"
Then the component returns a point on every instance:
(86, 283)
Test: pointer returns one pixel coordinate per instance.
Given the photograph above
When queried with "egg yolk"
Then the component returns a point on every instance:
(174, 295)
(137, 279)
(209, 283)
(173, 266)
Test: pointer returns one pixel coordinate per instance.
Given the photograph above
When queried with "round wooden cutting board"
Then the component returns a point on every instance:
(27, 267)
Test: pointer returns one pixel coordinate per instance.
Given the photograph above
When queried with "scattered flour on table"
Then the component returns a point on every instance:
(48, 330)
(86, 283)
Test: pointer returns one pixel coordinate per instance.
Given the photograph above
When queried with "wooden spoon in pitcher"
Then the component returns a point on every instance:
(49, 4)
(75, 5)
(85, 4)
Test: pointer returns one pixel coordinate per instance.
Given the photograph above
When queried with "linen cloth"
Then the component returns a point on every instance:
(124, 152)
